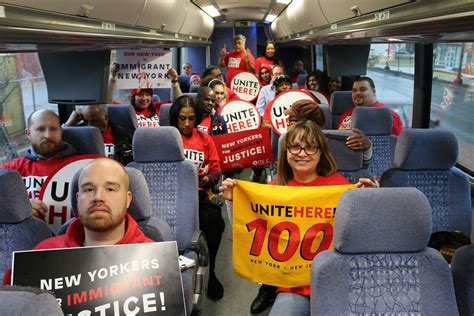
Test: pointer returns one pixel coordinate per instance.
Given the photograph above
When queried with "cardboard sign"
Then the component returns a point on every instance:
(283, 101)
(277, 230)
(56, 189)
(246, 86)
(136, 279)
(320, 97)
(241, 116)
(143, 69)
(248, 149)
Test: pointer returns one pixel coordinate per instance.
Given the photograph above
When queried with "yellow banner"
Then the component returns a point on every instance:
(277, 230)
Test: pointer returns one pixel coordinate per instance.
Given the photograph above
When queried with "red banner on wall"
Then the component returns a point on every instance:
(248, 149)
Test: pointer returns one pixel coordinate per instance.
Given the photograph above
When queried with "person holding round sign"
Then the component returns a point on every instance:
(280, 84)
(199, 148)
(314, 84)
(305, 160)
(238, 60)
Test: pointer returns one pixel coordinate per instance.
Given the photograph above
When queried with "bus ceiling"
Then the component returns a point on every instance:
(71, 25)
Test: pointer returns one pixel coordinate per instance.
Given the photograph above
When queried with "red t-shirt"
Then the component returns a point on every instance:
(345, 121)
(236, 64)
(200, 149)
(263, 61)
(268, 108)
(34, 173)
(205, 125)
(109, 142)
(75, 236)
(145, 119)
(334, 179)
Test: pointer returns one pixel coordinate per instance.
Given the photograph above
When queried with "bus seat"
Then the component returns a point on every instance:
(184, 83)
(86, 139)
(163, 93)
(122, 115)
(22, 300)
(349, 162)
(327, 118)
(155, 98)
(165, 114)
(18, 229)
(173, 185)
(462, 268)
(376, 123)
(340, 102)
(194, 89)
(301, 80)
(191, 94)
(424, 159)
(380, 264)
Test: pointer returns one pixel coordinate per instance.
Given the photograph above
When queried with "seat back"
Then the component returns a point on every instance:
(376, 123)
(301, 80)
(340, 102)
(462, 268)
(140, 208)
(86, 139)
(165, 114)
(172, 180)
(162, 93)
(22, 300)
(18, 229)
(349, 162)
(122, 115)
(424, 159)
(380, 264)
(327, 118)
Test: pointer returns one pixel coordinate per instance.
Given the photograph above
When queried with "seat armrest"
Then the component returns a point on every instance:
(198, 244)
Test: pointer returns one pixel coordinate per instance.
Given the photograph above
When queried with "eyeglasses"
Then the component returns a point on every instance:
(308, 149)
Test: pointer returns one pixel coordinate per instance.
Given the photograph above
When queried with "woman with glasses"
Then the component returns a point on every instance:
(304, 160)
(199, 148)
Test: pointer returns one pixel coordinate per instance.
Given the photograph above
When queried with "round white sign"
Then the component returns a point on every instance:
(283, 101)
(240, 116)
(246, 86)
(321, 97)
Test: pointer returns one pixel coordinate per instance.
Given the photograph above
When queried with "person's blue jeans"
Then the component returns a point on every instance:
(290, 304)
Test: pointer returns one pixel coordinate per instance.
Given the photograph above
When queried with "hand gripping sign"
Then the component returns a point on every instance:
(240, 116)
(55, 192)
(246, 86)
(277, 230)
(283, 101)
(321, 98)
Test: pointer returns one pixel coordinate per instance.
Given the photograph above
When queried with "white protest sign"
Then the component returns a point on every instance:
(55, 192)
(283, 101)
(321, 98)
(246, 86)
(240, 116)
(143, 69)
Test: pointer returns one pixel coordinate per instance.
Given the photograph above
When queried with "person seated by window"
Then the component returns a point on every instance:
(48, 152)
(296, 70)
(117, 139)
(102, 202)
(199, 148)
(304, 160)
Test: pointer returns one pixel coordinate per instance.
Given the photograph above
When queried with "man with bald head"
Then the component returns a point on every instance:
(117, 139)
(47, 153)
(102, 202)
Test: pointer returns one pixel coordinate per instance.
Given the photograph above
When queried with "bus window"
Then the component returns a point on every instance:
(452, 98)
(392, 66)
(22, 91)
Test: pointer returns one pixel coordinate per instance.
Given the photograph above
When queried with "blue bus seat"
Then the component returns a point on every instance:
(376, 123)
(173, 185)
(122, 115)
(340, 102)
(424, 159)
(18, 229)
(22, 300)
(165, 114)
(162, 93)
(462, 267)
(380, 264)
(86, 139)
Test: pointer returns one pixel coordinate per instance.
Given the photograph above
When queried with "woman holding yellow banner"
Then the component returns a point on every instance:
(304, 160)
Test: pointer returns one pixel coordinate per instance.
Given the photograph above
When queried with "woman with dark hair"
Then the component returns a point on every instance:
(304, 160)
(268, 57)
(220, 91)
(199, 148)
(313, 81)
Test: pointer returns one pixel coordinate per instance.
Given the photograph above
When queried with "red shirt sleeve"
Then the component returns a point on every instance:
(397, 125)
(342, 117)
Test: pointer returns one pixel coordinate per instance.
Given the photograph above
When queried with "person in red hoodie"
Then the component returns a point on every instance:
(364, 94)
(102, 202)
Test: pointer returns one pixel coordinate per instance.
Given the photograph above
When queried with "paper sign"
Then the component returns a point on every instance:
(143, 69)
(240, 116)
